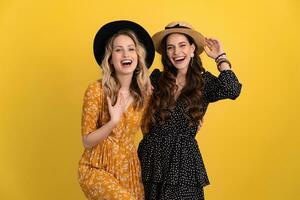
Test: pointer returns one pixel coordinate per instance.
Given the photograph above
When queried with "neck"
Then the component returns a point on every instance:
(181, 75)
(125, 81)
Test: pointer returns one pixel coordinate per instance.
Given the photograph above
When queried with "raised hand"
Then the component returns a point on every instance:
(213, 48)
(118, 109)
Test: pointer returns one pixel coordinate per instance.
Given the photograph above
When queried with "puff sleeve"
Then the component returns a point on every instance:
(225, 86)
(92, 106)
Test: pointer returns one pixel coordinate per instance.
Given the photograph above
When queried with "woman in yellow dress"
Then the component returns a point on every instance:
(112, 111)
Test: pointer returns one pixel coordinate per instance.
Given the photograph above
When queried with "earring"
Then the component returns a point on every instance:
(192, 55)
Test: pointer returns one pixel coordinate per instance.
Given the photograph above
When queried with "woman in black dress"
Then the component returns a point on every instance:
(172, 166)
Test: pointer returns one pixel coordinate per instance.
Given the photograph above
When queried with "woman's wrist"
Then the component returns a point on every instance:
(113, 123)
(224, 66)
(222, 62)
(221, 55)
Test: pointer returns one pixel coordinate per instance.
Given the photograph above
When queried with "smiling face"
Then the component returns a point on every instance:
(179, 50)
(124, 57)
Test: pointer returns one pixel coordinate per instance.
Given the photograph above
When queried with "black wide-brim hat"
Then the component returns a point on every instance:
(109, 29)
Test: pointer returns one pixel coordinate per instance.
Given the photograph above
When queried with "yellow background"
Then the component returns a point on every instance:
(250, 146)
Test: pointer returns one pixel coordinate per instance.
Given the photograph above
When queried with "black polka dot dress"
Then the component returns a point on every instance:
(172, 165)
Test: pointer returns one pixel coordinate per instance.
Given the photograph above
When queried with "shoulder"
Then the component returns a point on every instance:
(94, 89)
(95, 85)
(154, 77)
(156, 73)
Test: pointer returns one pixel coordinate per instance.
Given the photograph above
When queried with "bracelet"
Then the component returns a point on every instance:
(222, 61)
(222, 54)
(220, 58)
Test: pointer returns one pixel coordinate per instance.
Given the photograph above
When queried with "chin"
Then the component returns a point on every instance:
(127, 71)
(180, 67)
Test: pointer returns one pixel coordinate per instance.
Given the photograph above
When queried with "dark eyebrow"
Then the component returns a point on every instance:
(183, 42)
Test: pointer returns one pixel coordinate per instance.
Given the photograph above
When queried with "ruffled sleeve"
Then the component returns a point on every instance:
(92, 105)
(225, 86)
(154, 77)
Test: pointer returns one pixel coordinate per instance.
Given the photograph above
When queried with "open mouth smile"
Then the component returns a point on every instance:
(126, 62)
(179, 59)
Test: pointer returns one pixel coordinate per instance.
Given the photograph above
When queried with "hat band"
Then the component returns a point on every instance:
(177, 26)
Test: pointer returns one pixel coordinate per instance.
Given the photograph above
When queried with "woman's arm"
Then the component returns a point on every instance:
(92, 106)
(99, 135)
(226, 85)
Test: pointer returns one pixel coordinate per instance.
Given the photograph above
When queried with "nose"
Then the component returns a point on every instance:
(176, 50)
(125, 54)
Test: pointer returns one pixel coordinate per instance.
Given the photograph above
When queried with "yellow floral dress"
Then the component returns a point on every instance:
(110, 170)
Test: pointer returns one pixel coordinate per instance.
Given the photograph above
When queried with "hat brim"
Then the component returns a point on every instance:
(198, 38)
(109, 29)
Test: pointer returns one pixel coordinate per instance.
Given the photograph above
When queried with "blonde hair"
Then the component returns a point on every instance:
(140, 83)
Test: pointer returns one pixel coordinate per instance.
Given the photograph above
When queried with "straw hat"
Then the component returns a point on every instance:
(179, 27)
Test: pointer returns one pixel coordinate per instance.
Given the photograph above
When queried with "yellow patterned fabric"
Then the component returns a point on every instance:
(111, 169)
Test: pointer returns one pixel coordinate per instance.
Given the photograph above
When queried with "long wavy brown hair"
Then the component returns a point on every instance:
(163, 99)
(140, 83)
